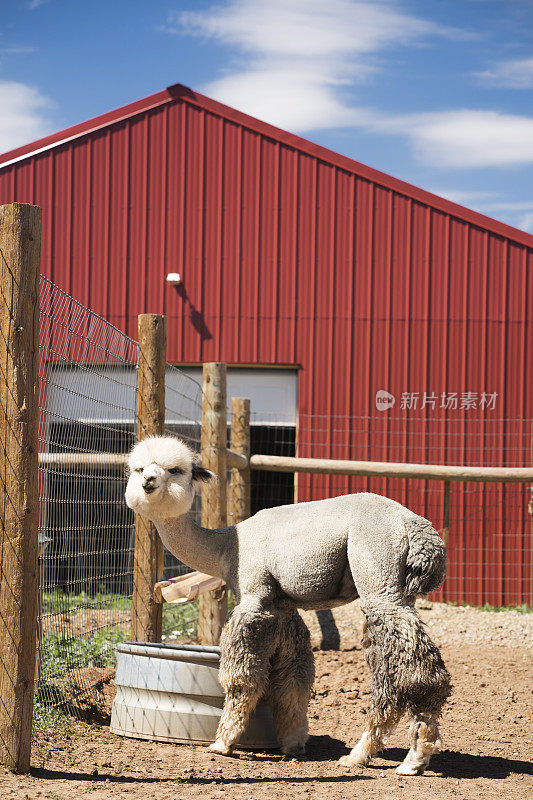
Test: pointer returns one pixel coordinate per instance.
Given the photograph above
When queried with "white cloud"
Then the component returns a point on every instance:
(525, 223)
(23, 117)
(516, 213)
(511, 206)
(463, 138)
(512, 74)
(470, 138)
(11, 50)
(295, 58)
(292, 100)
(307, 29)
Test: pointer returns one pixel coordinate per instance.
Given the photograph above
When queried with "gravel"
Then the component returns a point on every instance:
(454, 625)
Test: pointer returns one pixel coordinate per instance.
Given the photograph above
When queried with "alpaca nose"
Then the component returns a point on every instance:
(149, 484)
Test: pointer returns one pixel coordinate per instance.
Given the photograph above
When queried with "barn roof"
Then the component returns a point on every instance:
(181, 93)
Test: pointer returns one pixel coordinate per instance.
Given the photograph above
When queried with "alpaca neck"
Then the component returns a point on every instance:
(203, 549)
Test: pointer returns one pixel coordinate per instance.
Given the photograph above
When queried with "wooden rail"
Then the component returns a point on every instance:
(114, 460)
(237, 460)
(94, 460)
(319, 466)
(383, 469)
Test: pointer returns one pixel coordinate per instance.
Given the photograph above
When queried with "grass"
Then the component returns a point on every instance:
(62, 651)
(58, 602)
(180, 620)
(63, 654)
(524, 608)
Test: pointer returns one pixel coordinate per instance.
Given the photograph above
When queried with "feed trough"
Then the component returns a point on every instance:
(171, 693)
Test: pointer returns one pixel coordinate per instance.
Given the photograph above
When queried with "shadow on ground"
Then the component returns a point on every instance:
(54, 775)
(451, 764)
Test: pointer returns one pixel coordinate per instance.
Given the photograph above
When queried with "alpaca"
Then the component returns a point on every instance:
(314, 555)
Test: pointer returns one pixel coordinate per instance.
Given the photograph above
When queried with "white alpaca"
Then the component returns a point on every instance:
(312, 556)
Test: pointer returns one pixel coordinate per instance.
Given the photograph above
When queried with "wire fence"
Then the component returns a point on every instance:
(88, 401)
(488, 526)
(87, 405)
(87, 423)
(183, 413)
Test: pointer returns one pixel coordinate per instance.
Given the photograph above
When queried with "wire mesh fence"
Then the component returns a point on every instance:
(183, 413)
(87, 401)
(87, 425)
(87, 416)
(488, 525)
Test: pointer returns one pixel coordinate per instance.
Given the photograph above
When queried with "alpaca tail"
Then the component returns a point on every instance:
(425, 566)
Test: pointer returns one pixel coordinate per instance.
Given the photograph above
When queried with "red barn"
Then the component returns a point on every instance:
(403, 321)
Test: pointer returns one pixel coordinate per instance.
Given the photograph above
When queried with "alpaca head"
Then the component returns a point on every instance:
(164, 474)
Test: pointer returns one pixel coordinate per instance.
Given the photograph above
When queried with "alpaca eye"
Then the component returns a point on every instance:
(139, 469)
(176, 471)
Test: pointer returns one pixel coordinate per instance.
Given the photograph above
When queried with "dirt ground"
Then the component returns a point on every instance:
(487, 731)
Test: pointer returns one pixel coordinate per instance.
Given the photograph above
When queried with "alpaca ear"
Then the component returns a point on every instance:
(201, 475)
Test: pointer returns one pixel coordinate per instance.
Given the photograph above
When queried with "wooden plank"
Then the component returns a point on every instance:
(20, 245)
(146, 613)
(186, 588)
(213, 607)
(237, 460)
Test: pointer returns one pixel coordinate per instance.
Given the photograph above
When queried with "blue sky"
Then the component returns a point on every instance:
(436, 92)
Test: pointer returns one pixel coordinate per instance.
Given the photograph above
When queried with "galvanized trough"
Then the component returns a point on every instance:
(171, 693)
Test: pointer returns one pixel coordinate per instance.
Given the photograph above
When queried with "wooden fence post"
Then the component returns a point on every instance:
(146, 614)
(20, 247)
(240, 443)
(446, 514)
(213, 606)
(529, 599)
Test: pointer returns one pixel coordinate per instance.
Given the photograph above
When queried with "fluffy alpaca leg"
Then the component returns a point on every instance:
(407, 673)
(371, 741)
(237, 709)
(425, 740)
(289, 710)
(247, 643)
(291, 680)
(383, 716)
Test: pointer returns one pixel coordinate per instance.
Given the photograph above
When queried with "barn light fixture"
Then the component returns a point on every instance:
(174, 278)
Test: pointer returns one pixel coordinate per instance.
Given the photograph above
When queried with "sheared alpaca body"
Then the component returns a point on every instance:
(312, 556)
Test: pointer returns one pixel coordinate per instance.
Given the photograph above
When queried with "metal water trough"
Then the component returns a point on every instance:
(171, 693)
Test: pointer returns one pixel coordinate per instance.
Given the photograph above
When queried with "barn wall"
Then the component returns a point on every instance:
(288, 258)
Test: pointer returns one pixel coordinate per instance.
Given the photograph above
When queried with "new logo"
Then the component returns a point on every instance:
(384, 400)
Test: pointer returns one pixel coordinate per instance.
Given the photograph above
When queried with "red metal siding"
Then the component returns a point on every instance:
(294, 255)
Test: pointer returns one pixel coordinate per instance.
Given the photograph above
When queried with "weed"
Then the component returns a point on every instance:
(180, 620)
(59, 602)
(62, 655)
(521, 609)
